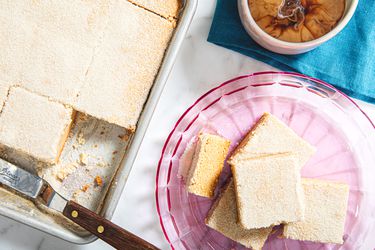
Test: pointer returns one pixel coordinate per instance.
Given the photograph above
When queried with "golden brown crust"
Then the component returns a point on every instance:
(208, 162)
(65, 136)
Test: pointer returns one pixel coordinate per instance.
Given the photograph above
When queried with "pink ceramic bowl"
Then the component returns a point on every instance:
(278, 46)
(342, 133)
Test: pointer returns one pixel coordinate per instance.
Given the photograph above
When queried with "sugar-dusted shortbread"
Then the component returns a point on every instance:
(223, 218)
(208, 161)
(34, 125)
(101, 57)
(325, 213)
(47, 46)
(271, 136)
(125, 64)
(268, 190)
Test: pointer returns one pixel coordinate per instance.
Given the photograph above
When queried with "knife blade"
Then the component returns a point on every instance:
(20, 180)
(39, 190)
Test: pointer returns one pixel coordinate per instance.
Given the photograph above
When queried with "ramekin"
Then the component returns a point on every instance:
(290, 48)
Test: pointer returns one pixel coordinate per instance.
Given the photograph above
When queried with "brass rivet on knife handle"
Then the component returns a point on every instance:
(114, 235)
(74, 214)
(100, 229)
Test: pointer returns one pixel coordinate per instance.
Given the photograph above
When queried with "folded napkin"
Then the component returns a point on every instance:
(347, 61)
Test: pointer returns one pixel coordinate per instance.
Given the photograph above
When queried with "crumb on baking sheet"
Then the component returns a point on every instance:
(114, 152)
(98, 181)
(66, 171)
(76, 194)
(83, 159)
(101, 164)
(61, 175)
(80, 138)
(85, 187)
(71, 135)
(95, 145)
(124, 137)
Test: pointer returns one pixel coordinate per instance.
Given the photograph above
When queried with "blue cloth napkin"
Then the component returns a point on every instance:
(347, 61)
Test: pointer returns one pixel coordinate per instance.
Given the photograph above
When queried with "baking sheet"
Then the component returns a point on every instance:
(94, 148)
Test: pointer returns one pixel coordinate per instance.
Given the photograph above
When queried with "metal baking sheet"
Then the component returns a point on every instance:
(82, 151)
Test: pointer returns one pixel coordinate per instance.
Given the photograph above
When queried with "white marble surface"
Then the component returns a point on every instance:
(199, 67)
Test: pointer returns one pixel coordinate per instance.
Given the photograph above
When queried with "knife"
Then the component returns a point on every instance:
(38, 190)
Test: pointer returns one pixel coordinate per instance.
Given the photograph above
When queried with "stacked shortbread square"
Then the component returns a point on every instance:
(267, 190)
(270, 136)
(325, 212)
(208, 161)
(223, 218)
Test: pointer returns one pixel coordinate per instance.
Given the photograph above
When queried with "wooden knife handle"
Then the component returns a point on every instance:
(114, 235)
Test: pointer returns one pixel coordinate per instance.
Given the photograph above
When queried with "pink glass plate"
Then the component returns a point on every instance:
(328, 119)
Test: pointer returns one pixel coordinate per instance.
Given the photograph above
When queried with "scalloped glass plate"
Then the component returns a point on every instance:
(342, 133)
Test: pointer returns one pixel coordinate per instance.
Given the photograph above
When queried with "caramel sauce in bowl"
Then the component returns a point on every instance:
(294, 26)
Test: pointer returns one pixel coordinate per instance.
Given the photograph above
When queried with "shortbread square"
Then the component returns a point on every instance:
(47, 46)
(325, 213)
(125, 65)
(33, 125)
(268, 190)
(208, 161)
(271, 136)
(222, 217)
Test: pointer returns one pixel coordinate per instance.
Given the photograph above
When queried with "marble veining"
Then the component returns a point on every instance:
(5, 230)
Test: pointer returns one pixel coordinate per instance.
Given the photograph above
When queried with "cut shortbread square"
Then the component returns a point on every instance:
(271, 136)
(208, 161)
(268, 190)
(47, 46)
(125, 64)
(101, 57)
(166, 8)
(222, 217)
(326, 205)
(34, 125)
